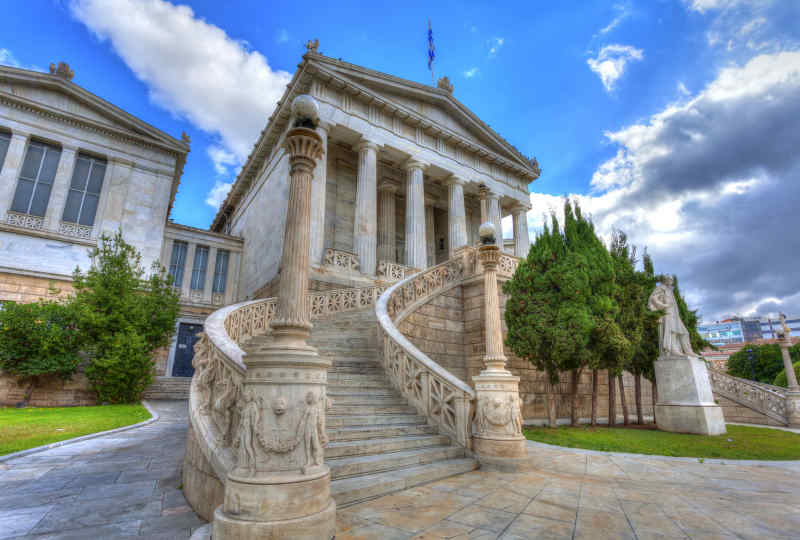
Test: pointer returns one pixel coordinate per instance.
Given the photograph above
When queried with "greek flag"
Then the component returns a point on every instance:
(431, 53)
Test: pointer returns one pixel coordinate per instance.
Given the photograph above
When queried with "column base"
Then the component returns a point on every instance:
(702, 419)
(490, 449)
(319, 526)
(793, 408)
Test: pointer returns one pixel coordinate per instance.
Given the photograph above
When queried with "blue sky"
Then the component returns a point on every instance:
(632, 107)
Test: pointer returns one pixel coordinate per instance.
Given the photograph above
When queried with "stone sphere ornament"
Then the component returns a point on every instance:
(306, 111)
(487, 233)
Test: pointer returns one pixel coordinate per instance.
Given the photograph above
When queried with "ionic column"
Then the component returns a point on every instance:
(430, 234)
(522, 239)
(10, 169)
(61, 184)
(416, 254)
(318, 185)
(280, 485)
(365, 233)
(497, 438)
(456, 215)
(386, 221)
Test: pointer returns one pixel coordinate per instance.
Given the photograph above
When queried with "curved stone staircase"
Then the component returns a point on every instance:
(378, 442)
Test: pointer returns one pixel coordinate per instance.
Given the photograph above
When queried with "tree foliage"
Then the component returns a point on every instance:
(690, 319)
(646, 352)
(39, 340)
(125, 316)
(766, 365)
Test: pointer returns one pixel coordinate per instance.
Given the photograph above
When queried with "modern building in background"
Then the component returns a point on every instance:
(770, 327)
(740, 330)
(722, 333)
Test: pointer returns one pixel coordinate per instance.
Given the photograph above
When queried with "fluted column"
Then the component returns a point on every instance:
(430, 234)
(386, 221)
(522, 239)
(495, 218)
(10, 169)
(365, 234)
(416, 255)
(456, 215)
(318, 186)
(61, 184)
(497, 438)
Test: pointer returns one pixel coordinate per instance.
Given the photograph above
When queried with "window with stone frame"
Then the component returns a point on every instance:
(84, 191)
(5, 140)
(177, 262)
(199, 268)
(221, 271)
(36, 179)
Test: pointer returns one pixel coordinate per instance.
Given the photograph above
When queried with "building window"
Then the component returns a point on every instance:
(36, 179)
(177, 263)
(84, 192)
(5, 140)
(221, 271)
(199, 268)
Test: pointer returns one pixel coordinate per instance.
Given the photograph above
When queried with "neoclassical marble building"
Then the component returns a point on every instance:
(407, 176)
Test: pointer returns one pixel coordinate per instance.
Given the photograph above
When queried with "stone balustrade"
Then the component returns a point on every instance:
(341, 260)
(443, 398)
(764, 398)
(391, 272)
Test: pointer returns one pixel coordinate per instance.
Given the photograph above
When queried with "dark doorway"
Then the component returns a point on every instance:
(184, 349)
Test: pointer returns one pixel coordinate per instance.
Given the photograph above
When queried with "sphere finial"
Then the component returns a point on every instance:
(306, 111)
(487, 233)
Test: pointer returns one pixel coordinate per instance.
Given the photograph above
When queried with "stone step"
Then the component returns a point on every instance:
(356, 433)
(383, 445)
(345, 391)
(357, 465)
(356, 370)
(367, 399)
(350, 360)
(348, 491)
(373, 420)
(168, 388)
(350, 379)
(344, 410)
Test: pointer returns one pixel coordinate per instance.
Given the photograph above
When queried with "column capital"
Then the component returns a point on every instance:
(430, 201)
(69, 148)
(325, 126)
(19, 134)
(414, 164)
(487, 193)
(364, 144)
(520, 208)
(454, 180)
(388, 184)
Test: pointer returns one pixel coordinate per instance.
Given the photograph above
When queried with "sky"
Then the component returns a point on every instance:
(676, 121)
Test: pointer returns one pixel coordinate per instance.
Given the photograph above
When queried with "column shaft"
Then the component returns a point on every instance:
(416, 255)
(211, 265)
(9, 174)
(495, 359)
(522, 239)
(494, 217)
(386, 223)
(365, 241)
(430, 235)
(318, 186)
(61, 184)
(456, 215)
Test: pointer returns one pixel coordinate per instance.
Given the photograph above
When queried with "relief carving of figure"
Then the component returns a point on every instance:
(313, 427)
(672, 334)
(516, 415)
(223, 407)
(249, 432)
(496, 414)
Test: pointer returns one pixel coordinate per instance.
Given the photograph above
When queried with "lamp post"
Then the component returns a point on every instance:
(793, 392)
(497, 433)
(280, 486)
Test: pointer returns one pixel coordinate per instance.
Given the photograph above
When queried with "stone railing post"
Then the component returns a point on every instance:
(793, 391)
(497, 437)
(280, 486)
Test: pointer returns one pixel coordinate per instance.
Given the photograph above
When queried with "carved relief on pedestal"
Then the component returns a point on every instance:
(249, 431)
(498, 415)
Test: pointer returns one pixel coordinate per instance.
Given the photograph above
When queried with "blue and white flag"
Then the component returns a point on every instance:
(431, 53)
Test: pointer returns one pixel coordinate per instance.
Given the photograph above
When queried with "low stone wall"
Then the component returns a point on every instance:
(203, 490)
(733, 412)
(51, 393)
(19, 288)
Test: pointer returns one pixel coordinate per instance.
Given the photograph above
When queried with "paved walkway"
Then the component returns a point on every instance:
(127, 484)
(119, 486)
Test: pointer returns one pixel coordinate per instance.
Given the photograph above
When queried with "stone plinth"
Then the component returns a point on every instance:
(685, 401)
(793, 408)
(498, 417)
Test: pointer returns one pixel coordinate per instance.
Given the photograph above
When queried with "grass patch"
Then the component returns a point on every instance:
(741, 442)
(21, 429)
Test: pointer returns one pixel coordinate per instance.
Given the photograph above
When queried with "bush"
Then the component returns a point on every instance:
(125, 316)
(39, 340)
(767, 362)
(780, 379)
(124, 369)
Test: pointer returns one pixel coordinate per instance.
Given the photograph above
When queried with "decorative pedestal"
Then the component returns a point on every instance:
(497, 436)
(685, 401)
(793, 408)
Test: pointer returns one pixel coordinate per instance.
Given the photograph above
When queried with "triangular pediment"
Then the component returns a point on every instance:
(56, 95)
(436, 106)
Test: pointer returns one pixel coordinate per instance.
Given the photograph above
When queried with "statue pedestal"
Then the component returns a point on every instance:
(793, 408)
(685, 401)
(497, 437)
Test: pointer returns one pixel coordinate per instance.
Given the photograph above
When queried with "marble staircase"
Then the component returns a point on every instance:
(168, 388)
(378, 443)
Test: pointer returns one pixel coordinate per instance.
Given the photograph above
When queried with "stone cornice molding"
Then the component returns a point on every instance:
(486, 193)
(454, 179)
(363, 144)
(520, 208)
(413, 164)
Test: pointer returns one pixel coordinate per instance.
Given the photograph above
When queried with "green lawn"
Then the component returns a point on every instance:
(741, 442)
(21, 429)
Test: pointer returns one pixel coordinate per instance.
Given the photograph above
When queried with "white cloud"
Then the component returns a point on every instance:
(683, 90)
(282, 36)
(7, 58)
(703, 6)
(611, 62)
(495, 44)
(752, 25)
(471, 72)
(623, 12)
(222, 159)
(192, 68)
(216, 196)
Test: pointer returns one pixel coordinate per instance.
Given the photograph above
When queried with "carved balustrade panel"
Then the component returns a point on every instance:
(507, 264)
(76, 230)
(392, 272)
(766, 399)
(341, 260)
(25, 220)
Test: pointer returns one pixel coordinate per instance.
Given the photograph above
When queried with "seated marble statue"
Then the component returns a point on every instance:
(672, 333)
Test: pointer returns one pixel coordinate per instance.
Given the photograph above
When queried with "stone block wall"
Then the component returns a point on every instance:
(733, 412)
(21, 288)
(51, 393)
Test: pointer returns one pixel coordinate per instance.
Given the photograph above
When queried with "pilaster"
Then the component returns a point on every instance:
(188, 268)
(365, 234)
(10, 170)
(386, 220)
(211, 266)
(416, 254)
(61, 185)
(430, 234)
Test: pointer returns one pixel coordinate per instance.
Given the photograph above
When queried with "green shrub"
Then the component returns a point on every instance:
(780, 379)
(123, 370)
(767, 362)
(39, 340)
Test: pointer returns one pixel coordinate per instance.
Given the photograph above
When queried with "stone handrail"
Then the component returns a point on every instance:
(392, 272)
(220, 370)
(764, 398)
(343, 260)
(440, 396)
